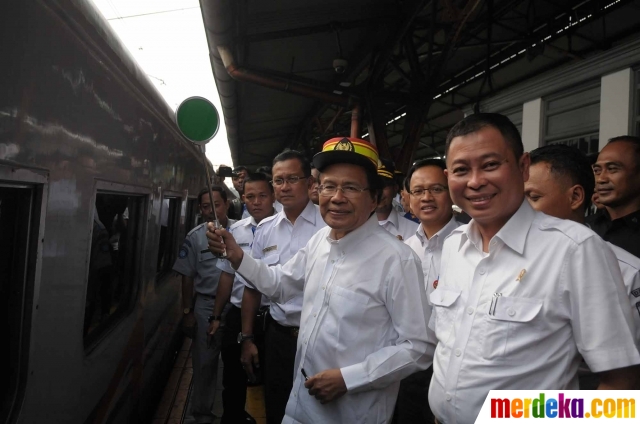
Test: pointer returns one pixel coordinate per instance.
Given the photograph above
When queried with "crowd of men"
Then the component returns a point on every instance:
(357, 296)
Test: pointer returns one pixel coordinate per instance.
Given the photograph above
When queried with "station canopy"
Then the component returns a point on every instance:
(292, 74)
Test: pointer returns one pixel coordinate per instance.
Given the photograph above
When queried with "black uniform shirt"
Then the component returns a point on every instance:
(623, 232)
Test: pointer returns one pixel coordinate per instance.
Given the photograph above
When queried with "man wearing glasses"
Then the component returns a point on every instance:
(430, 201)
(388, 217)
(363, 326)
(277, 239)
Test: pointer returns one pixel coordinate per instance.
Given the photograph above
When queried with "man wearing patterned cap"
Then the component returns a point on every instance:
(388, 217)
(364, 312)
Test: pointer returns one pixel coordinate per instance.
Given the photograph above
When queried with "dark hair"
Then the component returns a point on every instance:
(205, 190)
(567, 161)
(634, 141)
(478, 121)
(294, 154)
(257, 176)
(240, 168)
(421, 164)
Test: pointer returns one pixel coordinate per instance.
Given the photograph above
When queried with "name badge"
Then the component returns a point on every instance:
(243, 244)
(270, 248)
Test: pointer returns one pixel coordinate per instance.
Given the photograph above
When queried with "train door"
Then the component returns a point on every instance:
(20, 226)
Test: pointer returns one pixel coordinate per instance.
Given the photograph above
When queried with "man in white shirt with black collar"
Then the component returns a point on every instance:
(426, 184)
(258, 198)
(363, 324)
(277, 239)
(521, 295)
(388, 217)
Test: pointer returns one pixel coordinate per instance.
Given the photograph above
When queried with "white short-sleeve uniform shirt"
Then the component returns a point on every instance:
(276, 241)
(399, 226)
(520, 316)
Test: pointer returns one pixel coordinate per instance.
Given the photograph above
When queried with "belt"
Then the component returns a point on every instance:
(290, 331)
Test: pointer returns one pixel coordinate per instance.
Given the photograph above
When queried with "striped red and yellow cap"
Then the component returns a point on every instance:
(347, 150)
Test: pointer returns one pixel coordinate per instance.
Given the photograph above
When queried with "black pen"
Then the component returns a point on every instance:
(304, 374)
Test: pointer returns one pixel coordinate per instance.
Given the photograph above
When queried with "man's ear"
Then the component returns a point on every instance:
(577, 197)
(525, 163)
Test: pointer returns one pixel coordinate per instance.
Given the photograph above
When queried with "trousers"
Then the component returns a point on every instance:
(280, 346)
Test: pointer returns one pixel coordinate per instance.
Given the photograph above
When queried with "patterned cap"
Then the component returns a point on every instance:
(386, 168)
(347, 150)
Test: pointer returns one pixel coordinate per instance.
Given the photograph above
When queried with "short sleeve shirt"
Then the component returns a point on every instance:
(623, 232)
(195, 260)
(276, 241)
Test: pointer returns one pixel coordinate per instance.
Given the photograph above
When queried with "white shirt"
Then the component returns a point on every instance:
(364, 311)
(276, 241)
(242, 232)
(399, 226)
(630, 268)
(559, 296)
(429, 250)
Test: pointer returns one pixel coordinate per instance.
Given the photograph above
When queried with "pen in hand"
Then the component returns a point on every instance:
(304, 374)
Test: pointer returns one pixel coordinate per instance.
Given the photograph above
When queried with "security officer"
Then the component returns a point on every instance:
(388, 217)
(199, 285)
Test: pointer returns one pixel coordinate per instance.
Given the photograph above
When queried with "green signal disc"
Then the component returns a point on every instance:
(198, 119)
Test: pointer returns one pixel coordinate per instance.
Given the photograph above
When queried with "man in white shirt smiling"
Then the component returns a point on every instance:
(521, 295)
(363, 324)
(426, 184)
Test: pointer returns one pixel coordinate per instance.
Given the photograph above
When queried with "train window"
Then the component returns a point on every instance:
(115, 253)
(19, 218)
(168, 244)
(193, 215)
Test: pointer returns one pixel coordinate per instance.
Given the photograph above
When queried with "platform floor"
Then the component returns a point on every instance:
(174, 405)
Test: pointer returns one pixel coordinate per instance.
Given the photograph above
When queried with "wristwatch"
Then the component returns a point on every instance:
(243, 337)
(187, 311)
(214, 318)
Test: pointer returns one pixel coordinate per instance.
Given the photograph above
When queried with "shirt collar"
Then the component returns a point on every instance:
(439, 237)
(513, 233)
(392, 218)
(308, 214)
(352, 240)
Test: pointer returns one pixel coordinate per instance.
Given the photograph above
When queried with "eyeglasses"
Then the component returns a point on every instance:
(348, 190)
(434, 190)
(291, 180)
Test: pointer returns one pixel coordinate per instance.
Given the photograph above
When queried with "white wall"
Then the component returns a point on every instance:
(615, 105)
(531, 124)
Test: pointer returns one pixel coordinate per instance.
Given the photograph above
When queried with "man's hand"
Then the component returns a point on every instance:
(326, 386)
(220, 240)
(213, 327)
(189, 325)
(249, 359)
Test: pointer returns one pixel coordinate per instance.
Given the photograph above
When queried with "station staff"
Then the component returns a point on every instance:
(521, 295)
(277, 240)
(258, 198)
(426, 184)
(561, 184)
(363, 325)
(388, 217)
(199, 285)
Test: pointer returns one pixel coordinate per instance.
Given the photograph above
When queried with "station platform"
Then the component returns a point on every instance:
(174, 406)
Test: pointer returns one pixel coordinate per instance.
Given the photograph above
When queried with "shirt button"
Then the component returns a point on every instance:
(511, 312)
(429, 250)
(448, 397)
(333, 261)
(315, 315)
(458, 352)
(482, 271)
(323, 287)
(305, 342)
(470, 310)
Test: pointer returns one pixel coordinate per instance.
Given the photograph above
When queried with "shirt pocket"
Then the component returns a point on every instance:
(346, 316)
(205, 255)
(443, 316)
(510, 328)
(272, 259)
